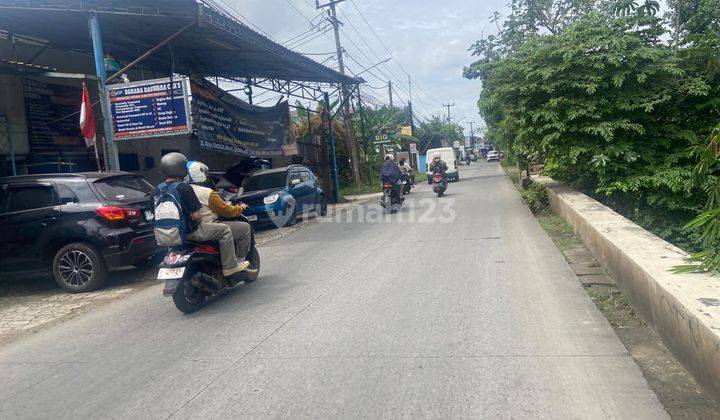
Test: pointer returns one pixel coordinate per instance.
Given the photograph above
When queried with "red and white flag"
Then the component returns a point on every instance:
(87, 121)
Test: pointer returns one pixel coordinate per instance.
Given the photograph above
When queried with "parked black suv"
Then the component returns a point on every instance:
(75, 226)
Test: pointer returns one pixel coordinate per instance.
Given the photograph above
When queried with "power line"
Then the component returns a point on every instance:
(388, 50)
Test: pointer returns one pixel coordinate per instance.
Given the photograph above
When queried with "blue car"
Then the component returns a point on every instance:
(279, 196)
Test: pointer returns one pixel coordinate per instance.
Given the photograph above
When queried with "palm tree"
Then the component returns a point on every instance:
(649, 8)
(624, 8)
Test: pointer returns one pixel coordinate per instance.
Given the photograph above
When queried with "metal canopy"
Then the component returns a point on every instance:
(218, 46)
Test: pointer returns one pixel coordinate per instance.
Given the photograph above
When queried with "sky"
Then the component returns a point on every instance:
(428, 39)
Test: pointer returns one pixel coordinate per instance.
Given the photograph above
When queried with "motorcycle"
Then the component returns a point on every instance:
(193, 273)
(407, 184)
(390, 200)
(439, 184)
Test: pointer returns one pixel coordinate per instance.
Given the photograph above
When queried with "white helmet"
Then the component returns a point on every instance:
(196, 172)
(389, 156)
(436, 155)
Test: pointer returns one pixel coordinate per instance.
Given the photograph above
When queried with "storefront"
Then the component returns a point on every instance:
(46, 53)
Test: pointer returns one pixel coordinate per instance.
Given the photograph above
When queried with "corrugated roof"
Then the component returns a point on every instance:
(219, 46)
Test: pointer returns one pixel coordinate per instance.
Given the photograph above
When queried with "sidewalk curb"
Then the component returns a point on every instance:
(332, 211)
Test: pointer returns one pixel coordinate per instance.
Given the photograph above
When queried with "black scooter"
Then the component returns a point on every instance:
(193, 273)
(407, 184)
(390, 199)
(439, 184)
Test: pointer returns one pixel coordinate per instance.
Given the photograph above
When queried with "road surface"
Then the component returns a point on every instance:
(462, 310)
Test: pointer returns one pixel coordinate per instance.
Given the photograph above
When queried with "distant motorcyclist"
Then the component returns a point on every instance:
(390, 172)
(213, 207)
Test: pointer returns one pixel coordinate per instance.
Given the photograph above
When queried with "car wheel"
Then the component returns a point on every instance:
(291, 213)
(79, 267)
(322, 208)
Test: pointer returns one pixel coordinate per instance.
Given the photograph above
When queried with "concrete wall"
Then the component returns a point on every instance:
(683, 309)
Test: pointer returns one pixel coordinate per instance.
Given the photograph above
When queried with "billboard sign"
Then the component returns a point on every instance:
(226, 124)
(150, 108)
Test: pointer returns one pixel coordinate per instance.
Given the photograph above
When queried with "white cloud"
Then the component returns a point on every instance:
(429, 38)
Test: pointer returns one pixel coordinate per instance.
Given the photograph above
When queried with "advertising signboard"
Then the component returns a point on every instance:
(150, 108)
(226, 124)
(46, 109)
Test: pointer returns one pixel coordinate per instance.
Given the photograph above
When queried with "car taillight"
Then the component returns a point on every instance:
(116, 214)
(387, 186)
(232, 190)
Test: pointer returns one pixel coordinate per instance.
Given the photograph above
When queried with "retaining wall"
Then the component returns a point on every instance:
(683, 309)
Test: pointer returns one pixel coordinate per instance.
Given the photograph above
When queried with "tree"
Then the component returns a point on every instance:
(437, 132)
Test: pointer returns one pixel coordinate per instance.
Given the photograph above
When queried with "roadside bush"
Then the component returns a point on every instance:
(536, 197)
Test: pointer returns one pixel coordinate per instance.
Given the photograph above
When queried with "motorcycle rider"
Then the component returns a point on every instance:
(438, 165)
(390, 172)
(213, 207)
(406, 169)
(174, 167)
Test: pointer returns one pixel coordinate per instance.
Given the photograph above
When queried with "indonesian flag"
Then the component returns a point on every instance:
(87, 121)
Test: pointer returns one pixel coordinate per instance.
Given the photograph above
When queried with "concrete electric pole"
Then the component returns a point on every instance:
(448, 106)
(350, 130)
(390, 92)
(472, 135)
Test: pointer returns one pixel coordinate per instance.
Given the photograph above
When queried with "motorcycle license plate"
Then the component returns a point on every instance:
(171, 273)
(251, 218)
(149, 215)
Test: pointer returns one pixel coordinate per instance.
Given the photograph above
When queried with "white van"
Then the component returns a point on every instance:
(447, 154)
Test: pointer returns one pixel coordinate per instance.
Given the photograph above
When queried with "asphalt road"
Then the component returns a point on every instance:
(462, 310)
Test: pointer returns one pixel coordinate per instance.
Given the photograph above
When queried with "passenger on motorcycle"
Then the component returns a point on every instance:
(390, 172)
(214, 207)
(174, 167)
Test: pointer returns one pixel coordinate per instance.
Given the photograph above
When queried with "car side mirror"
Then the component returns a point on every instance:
(294, 182)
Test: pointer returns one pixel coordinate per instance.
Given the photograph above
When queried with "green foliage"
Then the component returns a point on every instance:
(611, 107)
(536, 197)
(437, 132)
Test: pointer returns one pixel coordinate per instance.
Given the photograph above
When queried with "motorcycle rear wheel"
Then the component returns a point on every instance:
(254, 258)
(187, 298)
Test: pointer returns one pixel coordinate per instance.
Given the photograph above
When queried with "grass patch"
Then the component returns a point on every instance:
(514, 174)
(616, 307)
(420, 177)
(559, 231)
(360, 189)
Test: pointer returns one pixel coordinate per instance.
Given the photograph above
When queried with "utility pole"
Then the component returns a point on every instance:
(472, 136)
(448, 106)
(351, 142)
(410, 87)
(472, 140)
(390, 93)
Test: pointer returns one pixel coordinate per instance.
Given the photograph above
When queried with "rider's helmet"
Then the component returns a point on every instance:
(436, 156)
(389, 156)
(196, 172)
(173, 165)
